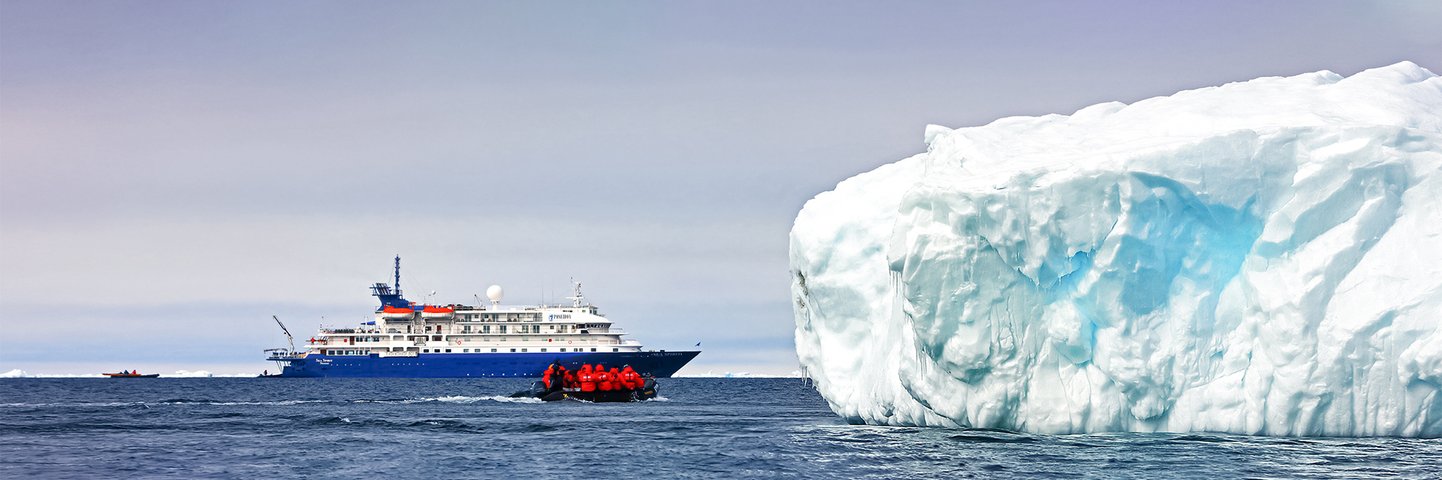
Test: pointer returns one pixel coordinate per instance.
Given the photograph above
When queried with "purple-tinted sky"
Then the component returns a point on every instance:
(172, 173)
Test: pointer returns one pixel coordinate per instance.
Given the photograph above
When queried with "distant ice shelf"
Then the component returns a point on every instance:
(1262, 257)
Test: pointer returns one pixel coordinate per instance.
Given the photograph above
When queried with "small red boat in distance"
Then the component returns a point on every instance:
(130, 374)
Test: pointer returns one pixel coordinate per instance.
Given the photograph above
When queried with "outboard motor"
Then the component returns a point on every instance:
(538, 390)
(648, 389)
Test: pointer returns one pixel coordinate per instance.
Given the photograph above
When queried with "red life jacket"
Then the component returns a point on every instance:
(616, 383)
(631, 379)
(588, 381)
(603, 381)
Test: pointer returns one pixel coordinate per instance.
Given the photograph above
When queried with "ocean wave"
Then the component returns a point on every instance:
(268, 403)
(452, 399)
(492, 398)
(72, 404)
(178, 401)
(714, 374)
(271, 403)
(450, 425)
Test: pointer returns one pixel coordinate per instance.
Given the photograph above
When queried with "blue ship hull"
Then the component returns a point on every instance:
(661, 364)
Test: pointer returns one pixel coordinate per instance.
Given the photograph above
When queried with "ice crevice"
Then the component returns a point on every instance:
(1257, 258)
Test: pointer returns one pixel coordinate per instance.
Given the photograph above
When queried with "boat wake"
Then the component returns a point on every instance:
(264, 403)
(272, 403)
(492, 398)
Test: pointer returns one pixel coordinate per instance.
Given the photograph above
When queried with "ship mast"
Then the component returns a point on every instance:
(576, 297)
(398, 275)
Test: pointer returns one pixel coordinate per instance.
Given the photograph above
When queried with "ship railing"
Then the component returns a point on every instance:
(351, 331)
(283, 355)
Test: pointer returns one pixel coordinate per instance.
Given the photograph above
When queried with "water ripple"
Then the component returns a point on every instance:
(706, 428)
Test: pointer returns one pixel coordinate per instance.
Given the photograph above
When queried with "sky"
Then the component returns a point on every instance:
(173, 173)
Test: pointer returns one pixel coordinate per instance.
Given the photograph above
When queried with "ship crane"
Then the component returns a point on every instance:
(288, 337)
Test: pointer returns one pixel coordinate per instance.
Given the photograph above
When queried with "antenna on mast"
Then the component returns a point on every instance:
(576, 297)
(398, 275)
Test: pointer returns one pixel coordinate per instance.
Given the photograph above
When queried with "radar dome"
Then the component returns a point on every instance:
(495, 293)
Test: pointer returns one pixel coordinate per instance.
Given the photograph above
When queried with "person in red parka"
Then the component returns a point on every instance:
(546, 377)
(568, 378)
(616, 383)
(588, 381)
(630, 379)
(603, 379)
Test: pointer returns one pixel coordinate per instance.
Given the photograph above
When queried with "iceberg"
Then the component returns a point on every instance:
(1260, 258)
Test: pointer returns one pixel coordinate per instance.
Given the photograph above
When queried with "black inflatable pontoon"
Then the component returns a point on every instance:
(538, 390)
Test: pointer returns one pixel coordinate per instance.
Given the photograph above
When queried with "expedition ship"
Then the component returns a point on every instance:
(450, 341)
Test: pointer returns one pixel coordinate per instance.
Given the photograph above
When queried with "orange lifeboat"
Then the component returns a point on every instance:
(397, 313)
(432, 311)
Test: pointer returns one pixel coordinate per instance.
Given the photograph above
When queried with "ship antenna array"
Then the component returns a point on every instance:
(398, 275)
(576, 297)
(288, 337)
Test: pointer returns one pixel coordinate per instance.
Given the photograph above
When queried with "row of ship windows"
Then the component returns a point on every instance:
(502, 328)
(438, 338)
(512, 317)
(463, 350)
(493, 350)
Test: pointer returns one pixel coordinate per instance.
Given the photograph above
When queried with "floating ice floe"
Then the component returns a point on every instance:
(18, 373)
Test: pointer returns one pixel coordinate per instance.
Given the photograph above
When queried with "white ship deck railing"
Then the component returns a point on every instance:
(352, 331)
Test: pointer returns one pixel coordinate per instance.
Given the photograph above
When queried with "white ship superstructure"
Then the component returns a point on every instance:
(405, 339)
(470, 329)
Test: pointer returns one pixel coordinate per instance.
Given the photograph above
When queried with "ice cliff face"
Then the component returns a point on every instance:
(1261, 257)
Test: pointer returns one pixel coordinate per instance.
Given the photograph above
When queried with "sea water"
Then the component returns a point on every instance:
(405, 428)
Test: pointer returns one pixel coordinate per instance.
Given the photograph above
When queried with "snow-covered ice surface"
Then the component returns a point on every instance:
(1262, 257)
